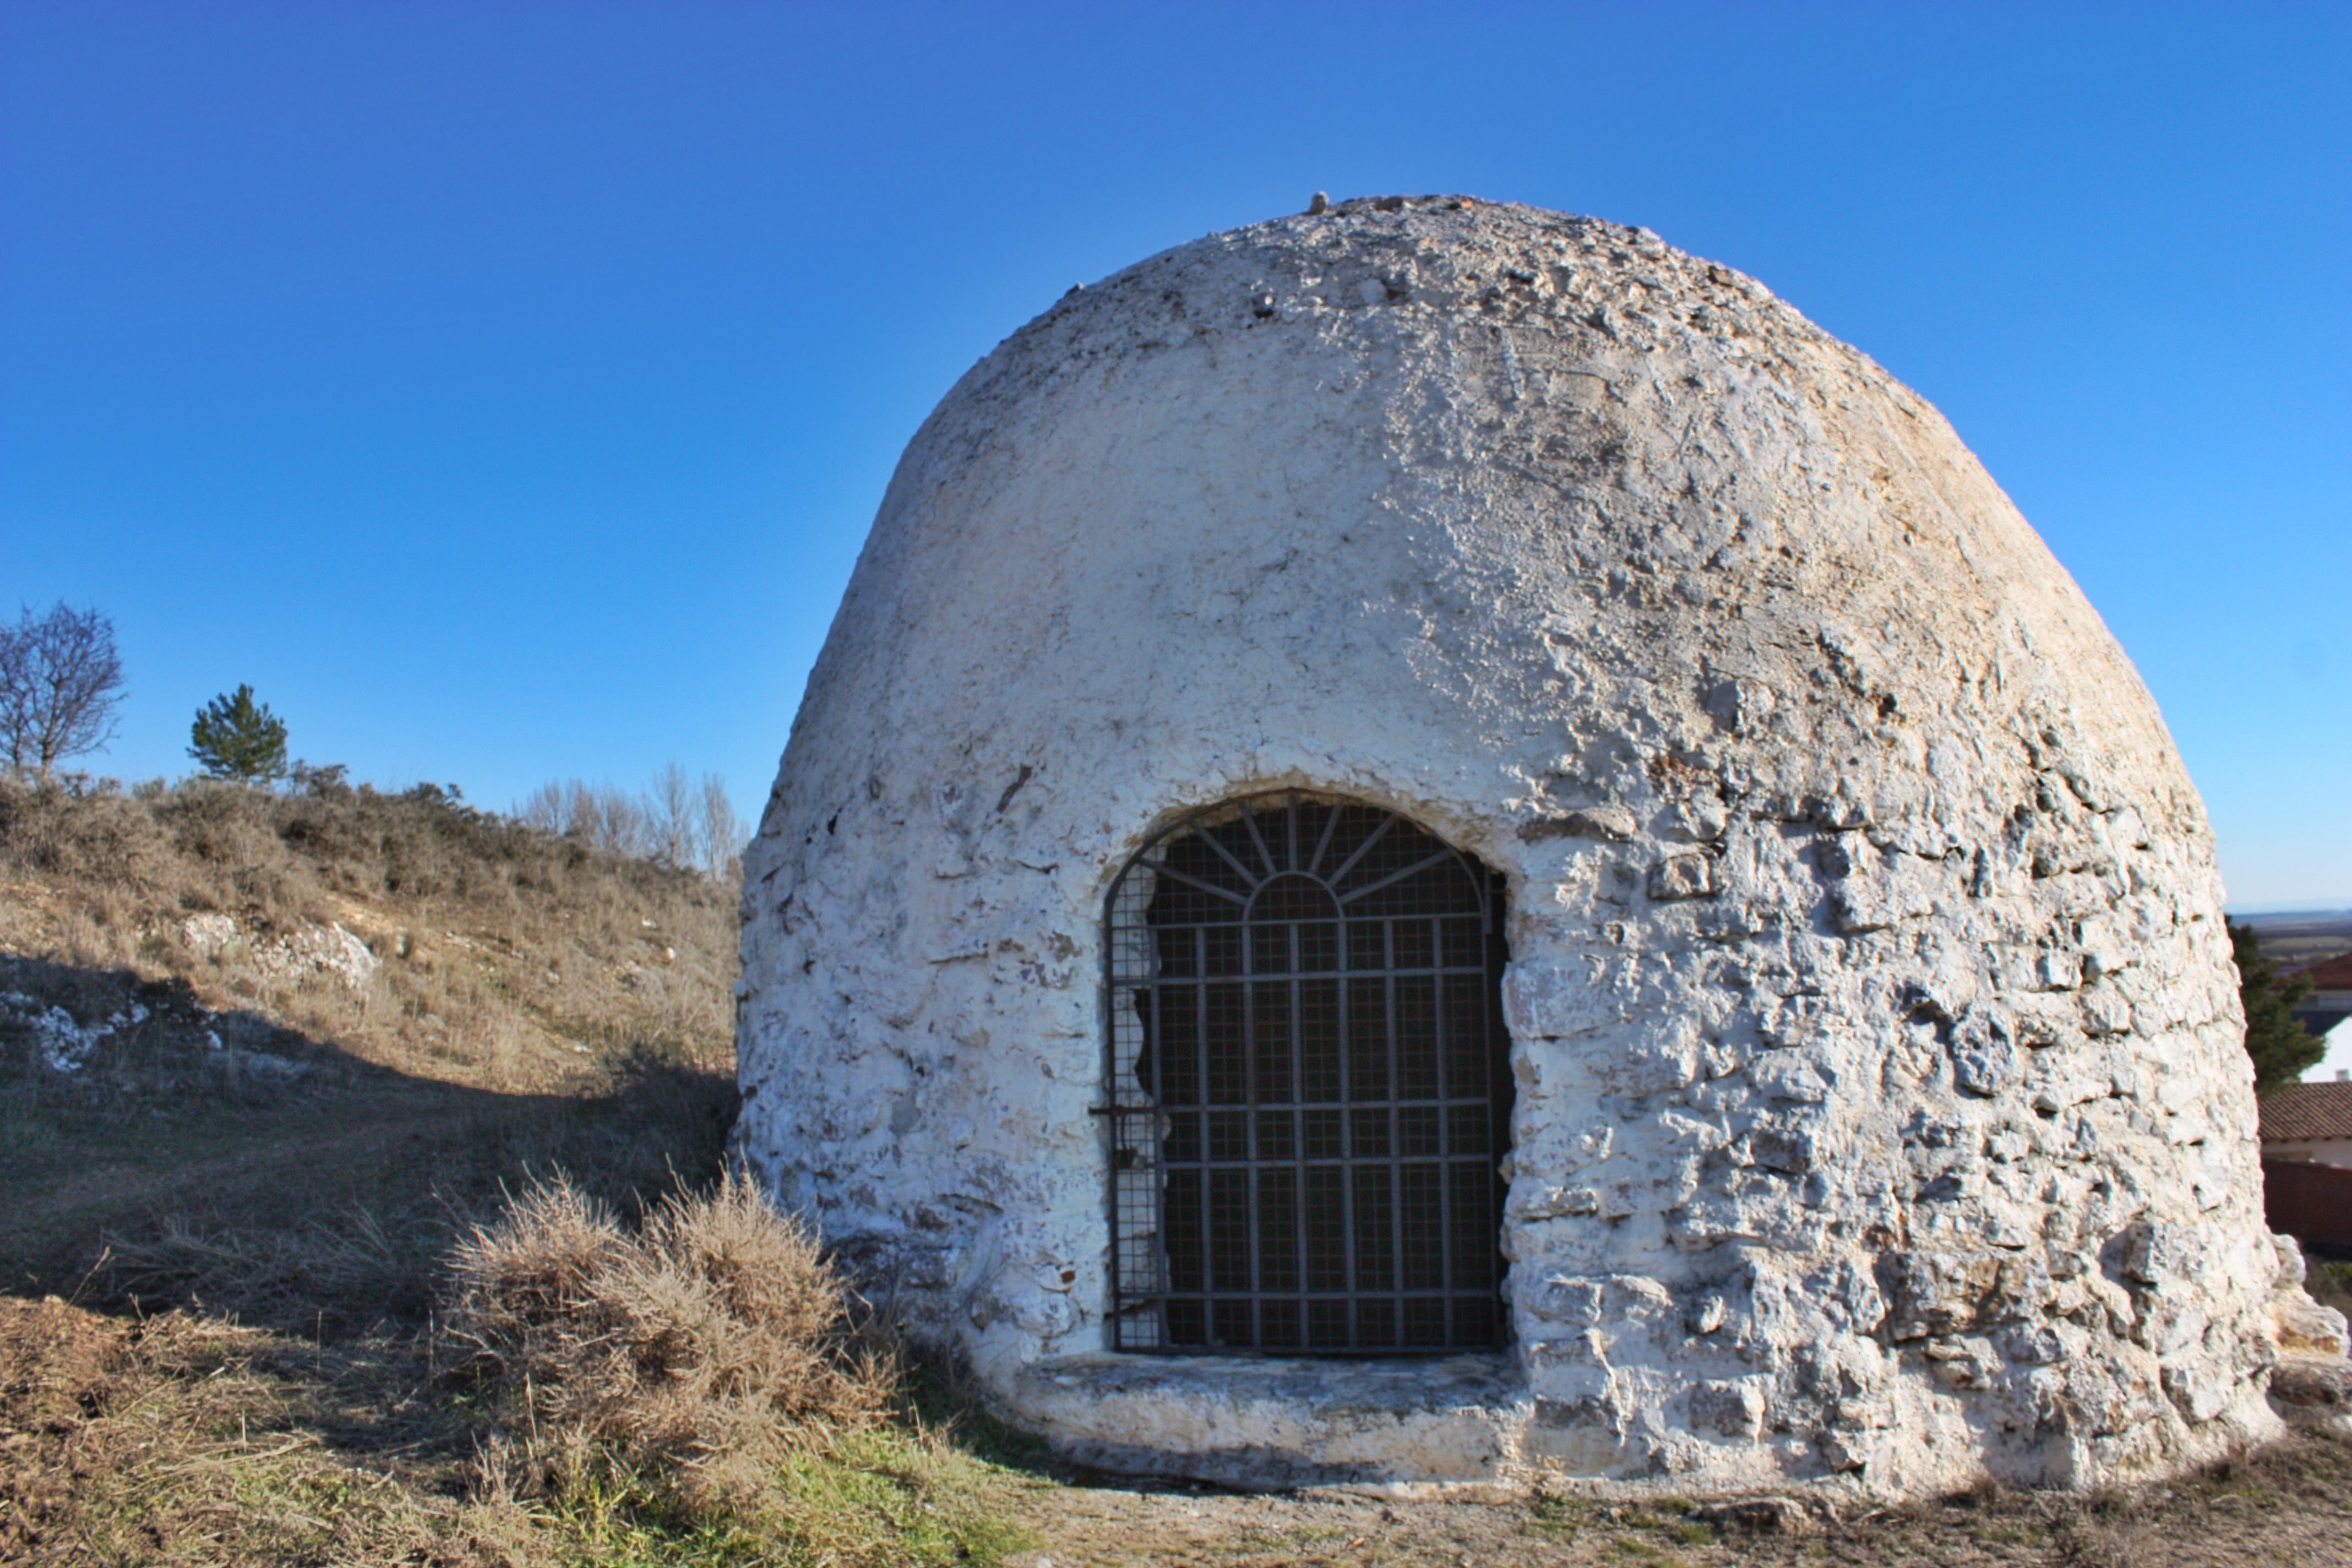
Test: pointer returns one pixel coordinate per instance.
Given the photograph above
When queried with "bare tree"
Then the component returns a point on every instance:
(674, 821)
(600, 816)
(609, 817)
(627, 830)
(720, 836)
(60, 683)
(670, 816)
(546, 808)
(583, 814)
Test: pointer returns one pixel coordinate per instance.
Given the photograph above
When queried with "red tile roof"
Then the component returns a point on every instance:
(2331, 974)
(2308, 1110)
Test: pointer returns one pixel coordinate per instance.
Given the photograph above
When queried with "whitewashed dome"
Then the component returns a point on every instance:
(1876, 1114)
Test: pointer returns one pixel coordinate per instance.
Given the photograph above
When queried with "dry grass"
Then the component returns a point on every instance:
(507, 954)
(690, 1361)
(327, 1334)
(183, 1439)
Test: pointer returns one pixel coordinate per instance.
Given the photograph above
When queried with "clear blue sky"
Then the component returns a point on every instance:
(504, 389)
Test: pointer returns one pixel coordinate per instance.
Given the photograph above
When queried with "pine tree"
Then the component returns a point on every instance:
(234, 737)
(2281, 1048)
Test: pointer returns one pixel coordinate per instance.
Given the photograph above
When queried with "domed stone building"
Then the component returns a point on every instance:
(1436, 842)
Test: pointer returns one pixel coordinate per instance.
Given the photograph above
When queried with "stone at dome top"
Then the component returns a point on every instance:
(1876, 1109)
(1534, 446)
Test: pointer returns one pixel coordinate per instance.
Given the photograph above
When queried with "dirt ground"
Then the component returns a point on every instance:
(179, 1440)
(2290, 1505)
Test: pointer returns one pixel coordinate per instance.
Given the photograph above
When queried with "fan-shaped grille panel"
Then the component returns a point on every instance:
(1309, 1092)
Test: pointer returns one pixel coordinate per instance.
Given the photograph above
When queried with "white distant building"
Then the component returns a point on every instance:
(2327, 1013)
(2336, 1067)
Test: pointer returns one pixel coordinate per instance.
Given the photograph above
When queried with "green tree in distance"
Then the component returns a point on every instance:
(234, 737)
(2281, 1048)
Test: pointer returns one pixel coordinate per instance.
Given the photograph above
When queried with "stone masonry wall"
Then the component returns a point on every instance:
(1881, 1117)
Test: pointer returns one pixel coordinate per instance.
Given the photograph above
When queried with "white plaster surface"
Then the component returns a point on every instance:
(2310, 1150)
(1881, 1115)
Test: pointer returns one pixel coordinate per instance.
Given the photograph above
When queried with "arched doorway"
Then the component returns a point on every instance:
(1310, 1091)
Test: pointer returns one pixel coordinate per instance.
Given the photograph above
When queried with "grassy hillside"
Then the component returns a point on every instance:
(266, 1062)
(391, 1001)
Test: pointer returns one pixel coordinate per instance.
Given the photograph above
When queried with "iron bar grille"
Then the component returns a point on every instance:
(1310, 1094)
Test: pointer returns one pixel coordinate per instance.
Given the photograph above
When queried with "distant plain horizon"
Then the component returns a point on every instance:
(2339, 907)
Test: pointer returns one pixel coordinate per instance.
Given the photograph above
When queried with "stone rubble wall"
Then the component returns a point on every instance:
(1881, 1115)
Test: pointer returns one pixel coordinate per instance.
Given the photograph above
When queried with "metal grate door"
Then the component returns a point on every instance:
(1310, 1094)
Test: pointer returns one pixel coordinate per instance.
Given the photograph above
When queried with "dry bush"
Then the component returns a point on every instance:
(686, 1363)
(88, 835)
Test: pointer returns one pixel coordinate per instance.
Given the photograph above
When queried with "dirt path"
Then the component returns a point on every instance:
(267, 1154)
(263, 1164)
(2289, 1506)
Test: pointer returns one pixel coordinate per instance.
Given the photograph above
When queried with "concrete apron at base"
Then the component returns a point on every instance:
(1462, 1426)
(1263, 1424)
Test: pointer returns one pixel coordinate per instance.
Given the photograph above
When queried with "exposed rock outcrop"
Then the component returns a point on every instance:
(283, 957)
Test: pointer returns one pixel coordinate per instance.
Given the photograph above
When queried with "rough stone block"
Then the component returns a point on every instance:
(1734, 1408)
(1681, 876)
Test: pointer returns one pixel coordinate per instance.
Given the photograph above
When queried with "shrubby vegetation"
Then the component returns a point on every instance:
(434, 1260)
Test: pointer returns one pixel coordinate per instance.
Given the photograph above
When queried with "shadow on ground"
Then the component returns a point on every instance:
(222, 1159)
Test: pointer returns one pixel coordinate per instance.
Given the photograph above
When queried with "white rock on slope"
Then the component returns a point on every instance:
(65, 1046)
(308, 949)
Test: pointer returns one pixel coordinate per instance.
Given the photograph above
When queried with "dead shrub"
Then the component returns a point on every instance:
(683, 1364)
(533, 1267)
